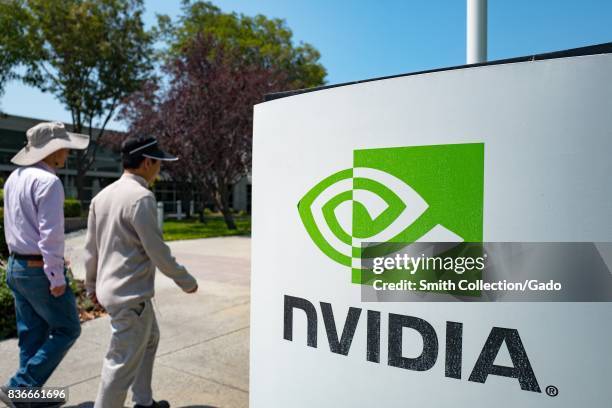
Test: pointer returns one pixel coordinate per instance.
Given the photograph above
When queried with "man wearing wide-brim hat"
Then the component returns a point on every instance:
(47, 317)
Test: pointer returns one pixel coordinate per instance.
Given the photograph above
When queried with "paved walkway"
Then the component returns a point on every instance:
(203, 357)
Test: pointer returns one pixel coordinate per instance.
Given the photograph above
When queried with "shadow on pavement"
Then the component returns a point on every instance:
(198, 406)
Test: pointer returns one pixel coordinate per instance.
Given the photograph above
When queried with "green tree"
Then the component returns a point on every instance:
(205, 116)
(12, 46)
(90, 54)
(259, 39)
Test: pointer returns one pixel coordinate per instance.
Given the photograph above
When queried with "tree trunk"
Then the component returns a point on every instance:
(225, 207)
(187, 197)
(228, 218)
(204, 201)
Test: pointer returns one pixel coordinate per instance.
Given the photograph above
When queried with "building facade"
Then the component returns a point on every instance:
(105, 169)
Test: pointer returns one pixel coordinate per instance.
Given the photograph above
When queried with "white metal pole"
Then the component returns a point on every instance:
(476, 31)
(160, 215)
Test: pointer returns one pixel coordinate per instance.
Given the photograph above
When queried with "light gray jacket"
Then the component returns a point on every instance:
(124, 245)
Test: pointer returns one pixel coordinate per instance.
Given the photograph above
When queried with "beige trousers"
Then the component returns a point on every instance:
(130, 358)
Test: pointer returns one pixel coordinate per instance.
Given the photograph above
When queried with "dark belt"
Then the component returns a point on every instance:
(27, 257)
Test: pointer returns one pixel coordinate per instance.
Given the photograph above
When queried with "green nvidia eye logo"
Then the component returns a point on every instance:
(399, 194)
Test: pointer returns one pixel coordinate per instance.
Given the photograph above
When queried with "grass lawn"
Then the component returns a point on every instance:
(213, 227)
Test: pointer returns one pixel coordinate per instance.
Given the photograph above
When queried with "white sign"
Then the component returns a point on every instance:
(512, 152)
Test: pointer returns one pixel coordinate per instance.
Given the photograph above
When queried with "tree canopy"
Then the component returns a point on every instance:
(205, 115)
(13, 47)
(90, 54)
(261, 40)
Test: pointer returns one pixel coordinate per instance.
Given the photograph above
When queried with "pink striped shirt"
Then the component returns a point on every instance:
(34, 217)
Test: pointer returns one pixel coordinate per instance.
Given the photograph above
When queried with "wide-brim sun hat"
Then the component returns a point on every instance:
(47, 138)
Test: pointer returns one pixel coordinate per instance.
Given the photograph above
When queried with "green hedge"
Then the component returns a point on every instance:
(7, 309)
(72, 208)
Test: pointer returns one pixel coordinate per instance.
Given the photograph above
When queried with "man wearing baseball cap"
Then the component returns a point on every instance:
(47, 317)
(123, 247)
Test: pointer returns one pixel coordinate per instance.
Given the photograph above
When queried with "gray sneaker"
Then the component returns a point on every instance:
(156, 404)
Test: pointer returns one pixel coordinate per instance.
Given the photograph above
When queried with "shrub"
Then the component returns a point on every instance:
(72, 208)
(7, 309)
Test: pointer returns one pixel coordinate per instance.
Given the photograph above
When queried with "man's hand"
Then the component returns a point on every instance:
(194, 290)
(58, 291)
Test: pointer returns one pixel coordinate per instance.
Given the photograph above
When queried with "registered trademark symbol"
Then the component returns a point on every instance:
(552, 391)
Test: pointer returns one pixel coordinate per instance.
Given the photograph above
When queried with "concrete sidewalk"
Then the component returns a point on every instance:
(203, 357)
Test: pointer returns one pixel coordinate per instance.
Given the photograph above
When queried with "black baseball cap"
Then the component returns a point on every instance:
(146, 147)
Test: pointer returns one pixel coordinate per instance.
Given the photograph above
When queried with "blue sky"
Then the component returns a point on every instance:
(361, 39)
